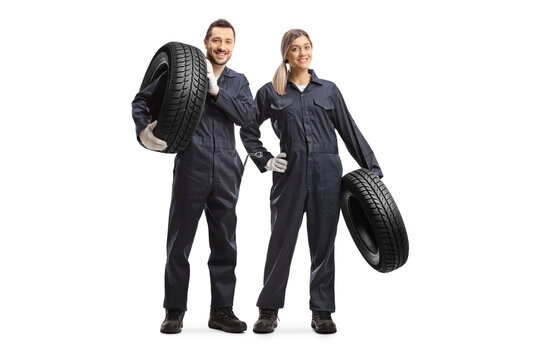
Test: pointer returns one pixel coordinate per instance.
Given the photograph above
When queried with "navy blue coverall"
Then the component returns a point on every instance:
(305, 123)
(206, 177)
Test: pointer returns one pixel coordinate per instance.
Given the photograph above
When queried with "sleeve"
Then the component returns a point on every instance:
(250, 133)
(239, 109)
(352, 137)
(148, 99)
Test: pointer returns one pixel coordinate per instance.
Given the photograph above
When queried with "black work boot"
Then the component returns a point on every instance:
(174, 320)
(267, 321)
(224, 319)
(322, 322)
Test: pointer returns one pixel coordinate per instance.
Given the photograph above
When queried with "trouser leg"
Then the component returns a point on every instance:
(221, 217)
(287, 209)
(322, 220)
(187, 203)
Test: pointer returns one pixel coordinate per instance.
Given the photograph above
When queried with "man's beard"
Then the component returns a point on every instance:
(213, 59)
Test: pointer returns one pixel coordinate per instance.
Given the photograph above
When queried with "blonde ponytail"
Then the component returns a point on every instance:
(280, 79)
(279, 82)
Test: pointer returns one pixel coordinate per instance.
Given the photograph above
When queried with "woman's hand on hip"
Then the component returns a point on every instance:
(277, 164)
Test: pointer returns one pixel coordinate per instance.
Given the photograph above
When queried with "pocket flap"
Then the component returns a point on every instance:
(324, 103)
(281, 104)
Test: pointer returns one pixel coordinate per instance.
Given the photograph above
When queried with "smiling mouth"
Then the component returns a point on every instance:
(220, 54)
(303, 60)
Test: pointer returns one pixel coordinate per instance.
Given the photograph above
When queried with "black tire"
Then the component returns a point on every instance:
(374, 221)
(184, 97)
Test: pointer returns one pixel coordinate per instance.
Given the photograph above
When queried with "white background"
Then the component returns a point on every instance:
(446, 92)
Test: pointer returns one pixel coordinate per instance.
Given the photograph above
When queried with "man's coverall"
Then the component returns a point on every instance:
(206, 177)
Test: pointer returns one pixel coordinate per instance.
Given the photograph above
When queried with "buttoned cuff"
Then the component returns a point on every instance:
(262, 161)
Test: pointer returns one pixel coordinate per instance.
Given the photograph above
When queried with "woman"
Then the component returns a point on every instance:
(304, 111)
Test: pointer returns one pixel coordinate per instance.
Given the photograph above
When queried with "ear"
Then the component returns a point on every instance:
(205, 43)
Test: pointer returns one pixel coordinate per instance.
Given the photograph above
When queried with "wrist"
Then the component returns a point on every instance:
(214, 90)
(268, 165)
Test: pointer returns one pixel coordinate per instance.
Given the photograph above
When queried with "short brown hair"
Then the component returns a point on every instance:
(219, 23)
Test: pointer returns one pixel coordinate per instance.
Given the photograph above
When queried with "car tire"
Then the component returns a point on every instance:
(185, 93)
(374, 220)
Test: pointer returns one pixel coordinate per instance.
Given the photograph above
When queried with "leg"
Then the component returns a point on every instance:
(322, 220)
(221, 218)
(187, 203)
(287, 205)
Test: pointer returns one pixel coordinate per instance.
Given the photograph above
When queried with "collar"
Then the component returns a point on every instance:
(314, 78)
(228, 72)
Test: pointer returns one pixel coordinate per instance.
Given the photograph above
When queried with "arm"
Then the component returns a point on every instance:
(144, 103)
(354, 140)
(239, 109)
(250, 133)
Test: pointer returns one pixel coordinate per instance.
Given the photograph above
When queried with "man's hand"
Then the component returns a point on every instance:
(149, 140)
(213, 87)
(277, 164)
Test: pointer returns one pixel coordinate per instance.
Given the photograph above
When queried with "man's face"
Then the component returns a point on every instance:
(220, 45)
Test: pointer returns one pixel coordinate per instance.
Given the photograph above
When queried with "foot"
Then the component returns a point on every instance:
(174, 320)
(322, 322)
(224, 319)
(267, 321)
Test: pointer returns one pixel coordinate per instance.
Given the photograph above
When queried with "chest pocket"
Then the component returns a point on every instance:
(281, 110)
(324, 109)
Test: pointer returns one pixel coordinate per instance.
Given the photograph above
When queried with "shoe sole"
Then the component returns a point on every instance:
(265, 331)
(323, 331)
(172, 331)
(216, 326)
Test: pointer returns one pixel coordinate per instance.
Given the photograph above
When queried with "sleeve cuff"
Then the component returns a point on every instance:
(261, 162)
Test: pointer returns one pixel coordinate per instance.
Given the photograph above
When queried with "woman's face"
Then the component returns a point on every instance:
(299, 54)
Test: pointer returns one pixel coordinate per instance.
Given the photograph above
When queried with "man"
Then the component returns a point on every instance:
(206, 176)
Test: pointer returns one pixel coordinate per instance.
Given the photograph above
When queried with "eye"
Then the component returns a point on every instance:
(308, 47)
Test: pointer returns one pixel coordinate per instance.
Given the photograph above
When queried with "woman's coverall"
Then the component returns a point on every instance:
(305, 123)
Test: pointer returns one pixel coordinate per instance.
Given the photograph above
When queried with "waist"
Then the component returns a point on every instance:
(311, 148)
(214, 142)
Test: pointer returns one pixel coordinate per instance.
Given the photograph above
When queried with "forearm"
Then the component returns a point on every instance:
(141, 114)
(250, 135)
(239, 110)
(352, 137)
(142, 105)
(360, 150)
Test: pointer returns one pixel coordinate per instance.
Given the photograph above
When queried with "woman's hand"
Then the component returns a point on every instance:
(277, 164)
